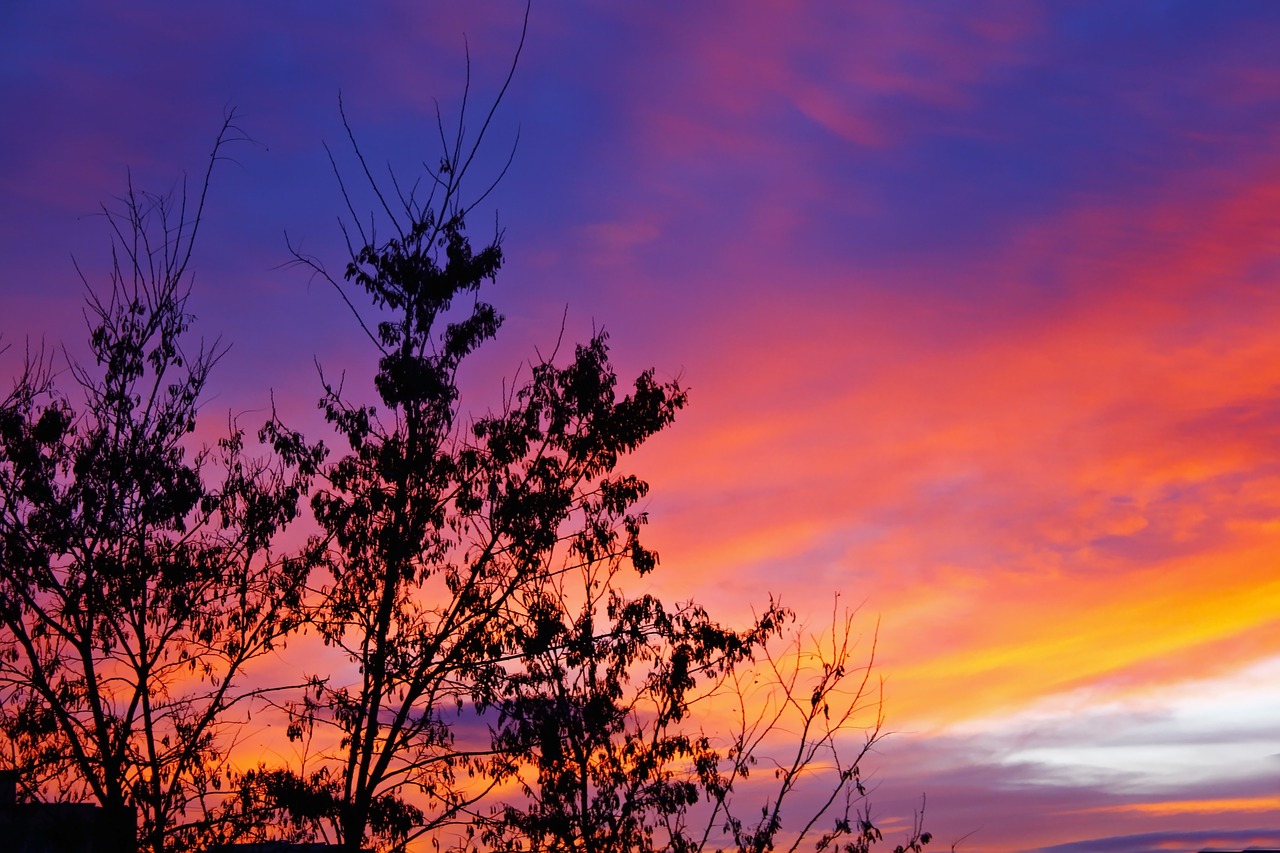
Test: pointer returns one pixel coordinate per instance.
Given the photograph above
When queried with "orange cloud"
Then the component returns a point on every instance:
(1037, 492)
(1180, 807)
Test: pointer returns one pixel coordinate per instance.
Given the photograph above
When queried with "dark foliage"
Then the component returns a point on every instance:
(139, 576)
(494, 683)
(440, 529)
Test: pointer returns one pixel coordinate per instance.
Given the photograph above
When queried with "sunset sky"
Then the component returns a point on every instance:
(978, 305)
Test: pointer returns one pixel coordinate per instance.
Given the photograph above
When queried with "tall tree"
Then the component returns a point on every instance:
(139, 576)
(472, 565)
(436, 520)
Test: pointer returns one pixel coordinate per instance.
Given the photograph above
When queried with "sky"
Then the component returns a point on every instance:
(977, 304)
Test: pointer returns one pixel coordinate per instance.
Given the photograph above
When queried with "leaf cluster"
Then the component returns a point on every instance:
(140, 575)
(495, 680)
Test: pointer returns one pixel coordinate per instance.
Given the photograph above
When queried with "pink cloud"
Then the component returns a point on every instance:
(1057, 490)
(727, 75)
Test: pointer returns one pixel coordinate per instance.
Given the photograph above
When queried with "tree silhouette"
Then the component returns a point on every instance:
(601, 731)
(441, 528)
(475, 564)
(494, 684)
(139, 575)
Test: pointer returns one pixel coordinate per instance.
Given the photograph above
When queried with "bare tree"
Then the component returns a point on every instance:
(618, 734)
